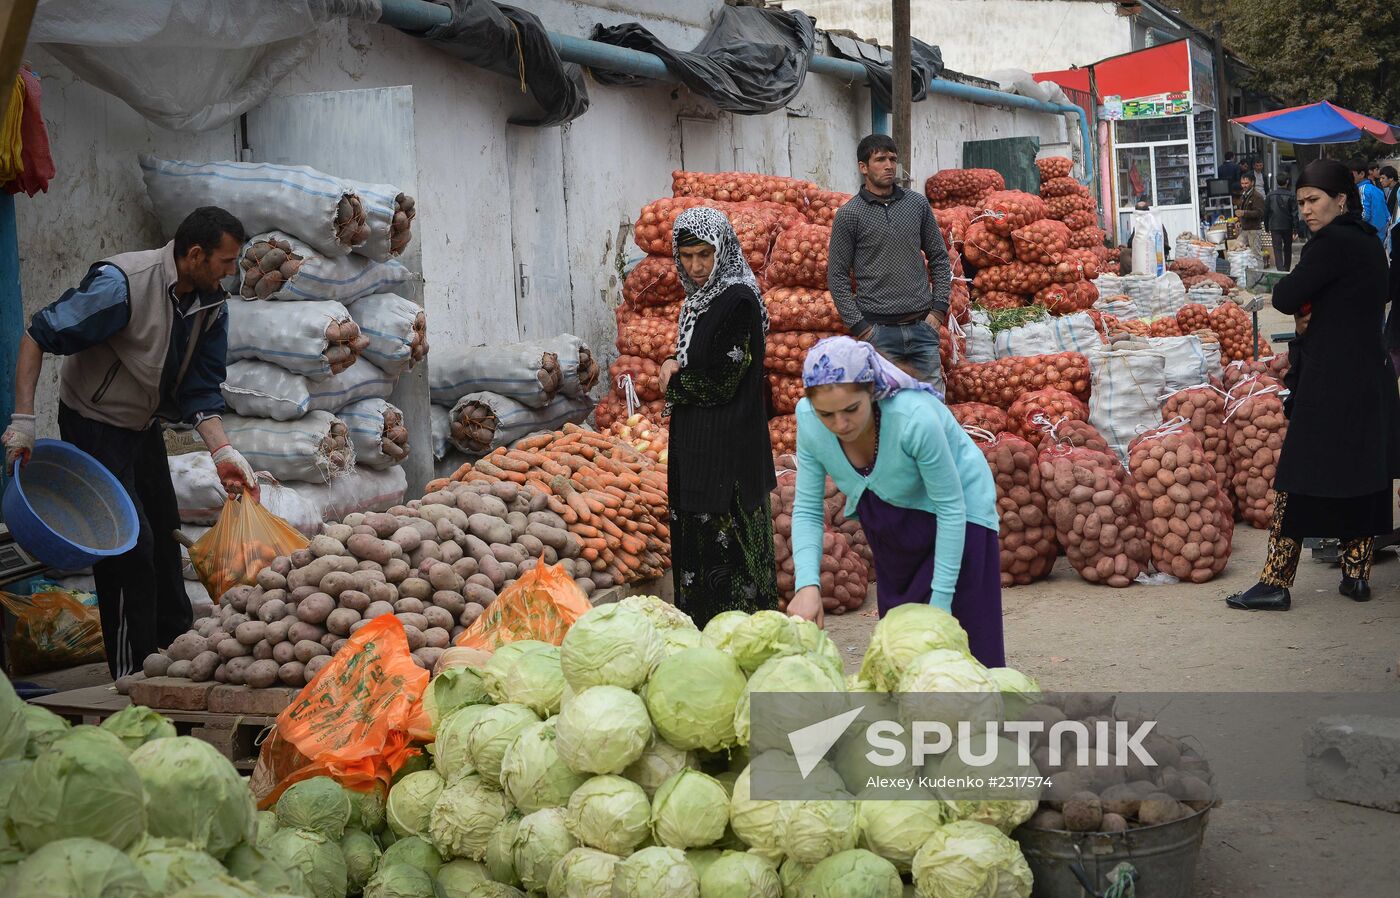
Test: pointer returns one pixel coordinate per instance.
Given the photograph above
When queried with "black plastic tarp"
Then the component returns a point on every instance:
(752, 62)
(494, 36)
(926, 63)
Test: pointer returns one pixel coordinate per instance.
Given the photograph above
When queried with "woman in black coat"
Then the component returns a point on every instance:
(1342, 450)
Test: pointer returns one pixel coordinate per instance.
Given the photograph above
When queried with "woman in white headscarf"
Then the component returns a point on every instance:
(721, 460)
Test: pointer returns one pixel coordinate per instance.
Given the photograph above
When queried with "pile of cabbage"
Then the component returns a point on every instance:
(125, 810)
(615, 765)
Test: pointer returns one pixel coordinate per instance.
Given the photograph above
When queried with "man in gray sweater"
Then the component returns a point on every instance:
(887, 240)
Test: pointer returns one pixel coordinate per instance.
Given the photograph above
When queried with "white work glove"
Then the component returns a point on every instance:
(18, 440)
(235, 472)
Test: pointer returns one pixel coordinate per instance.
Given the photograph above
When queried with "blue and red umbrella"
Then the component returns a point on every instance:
(1318, 123)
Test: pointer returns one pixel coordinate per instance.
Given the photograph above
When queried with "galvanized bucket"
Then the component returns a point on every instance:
(1081, 865)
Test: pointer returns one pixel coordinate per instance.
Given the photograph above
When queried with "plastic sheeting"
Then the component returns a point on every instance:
(187, 65)
(926, 62)
(494, 37)
(752, 62)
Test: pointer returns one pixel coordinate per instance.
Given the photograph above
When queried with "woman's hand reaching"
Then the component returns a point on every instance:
(807, 604)
(668, 371)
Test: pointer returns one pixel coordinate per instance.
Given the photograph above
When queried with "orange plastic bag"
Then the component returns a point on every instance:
(245, 539)
(543, 604)
(352, 722)
(52, 630)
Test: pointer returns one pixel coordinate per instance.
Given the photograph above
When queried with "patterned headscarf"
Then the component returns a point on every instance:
(843, 360)
(709, 226)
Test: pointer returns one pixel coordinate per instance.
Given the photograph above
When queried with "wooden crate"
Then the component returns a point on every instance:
(236, 735)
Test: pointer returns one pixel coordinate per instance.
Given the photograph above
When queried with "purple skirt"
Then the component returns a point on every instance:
(903, 540)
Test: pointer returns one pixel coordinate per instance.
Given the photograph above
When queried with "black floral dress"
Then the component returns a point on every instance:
(721, 466)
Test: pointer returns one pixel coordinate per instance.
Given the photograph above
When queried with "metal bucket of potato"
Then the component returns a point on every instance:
(1087, 865)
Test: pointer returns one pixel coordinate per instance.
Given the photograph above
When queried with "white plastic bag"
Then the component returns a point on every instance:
(396, 328)
(981, 344)
(1149, 248)
(291, 336)
(1067, 333)
(525, 372)
(1125, 396)
(510, 421)
(200, 495)
(1189, 361)
(263, 390)
(345, 279)
(377, 431)
(362, 490)
(315, 448)
(318, 208)
(577, 366)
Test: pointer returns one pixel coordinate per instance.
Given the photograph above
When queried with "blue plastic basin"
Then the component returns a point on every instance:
(67, 510)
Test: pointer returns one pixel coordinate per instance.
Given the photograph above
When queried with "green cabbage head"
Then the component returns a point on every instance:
(609, 813)
(454, 877)
(84, 785)
(678, 640)
(658, 763)
(720, 630)
(533, 679)
(690, 810)
(451, 751)
(766, 634)
(361, 857)
(785, 673)
(610, 646)
(500, 850)
(852, 872)
(738, 874)
(540, 842)
(135, 725)
(604, 729)
(653, 872)
(400, 881)
(77, 868)
(950, 687)
(318, 805)
(754, 820)
(904, 634)
(975, 804)
(11, 772)
(692, 697)
(14, 729)
(411, 802)
(44, 727)
(493, 733)
(465, 815)
(1018, 691)
(583, 873)
(812, 830)
(195, 794)
(253, 865)
(316, 858)
(169, 865)
(415, 852)
(532, 773)
(454, 688)
(895, 829)
(367, 808)
(662, 614)
(971, 860)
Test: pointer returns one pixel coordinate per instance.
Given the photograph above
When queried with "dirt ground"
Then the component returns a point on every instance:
(1073, 636)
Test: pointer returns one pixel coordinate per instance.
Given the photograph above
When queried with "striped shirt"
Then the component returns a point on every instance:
(883, 242)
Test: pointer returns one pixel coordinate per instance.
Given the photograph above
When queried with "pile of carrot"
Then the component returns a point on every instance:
(611, 496)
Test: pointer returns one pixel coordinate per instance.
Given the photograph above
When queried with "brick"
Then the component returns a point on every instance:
(171, 694)
(226, 699)
(1355, 759)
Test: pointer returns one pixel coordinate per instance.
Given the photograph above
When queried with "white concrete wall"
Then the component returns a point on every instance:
(602, 168)
(981, 36)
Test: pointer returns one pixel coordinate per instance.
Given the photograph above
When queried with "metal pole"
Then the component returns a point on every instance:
(11, 307)
(903, 83)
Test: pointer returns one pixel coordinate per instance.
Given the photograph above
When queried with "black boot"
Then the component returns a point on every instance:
(1261, 597)
(1356, 590)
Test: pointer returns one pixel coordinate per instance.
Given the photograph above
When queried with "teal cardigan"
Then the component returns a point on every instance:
(926, 461)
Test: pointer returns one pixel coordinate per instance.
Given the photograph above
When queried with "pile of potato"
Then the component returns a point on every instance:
(267, 265)
(1030, 415)
(351, 224)
(1027, 537)
(1096, 514)
(1235, 330)
(1203, 409)
(393, 440)
(980, 415)
(401, 225)
(435, 563)
(1003, 381)
(1189, 525)
(799, 257)
(1073, 433)
(1256, 426)
(845, 569)
(1109, 798)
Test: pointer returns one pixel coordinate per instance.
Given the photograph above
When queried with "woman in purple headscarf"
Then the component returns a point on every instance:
(921, 488)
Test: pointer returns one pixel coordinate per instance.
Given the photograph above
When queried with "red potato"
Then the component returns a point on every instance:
(1072, 432)
(1203, 408)
(1166, 326)
(1274, 368)
(1095, 513)
(1223, 281)
(1054, 167)
(1003, 381)
(1030, 415)
(1043, 242)
(653, 282)
(1193, 317)
(1188, 267)
(799, 257)
(1188, 522)
(785, 352)
(962, 186)
(845, 553)
(801, 309)
(1011, 210)
(1233, 326)
(1256, 425)
(1027, 536)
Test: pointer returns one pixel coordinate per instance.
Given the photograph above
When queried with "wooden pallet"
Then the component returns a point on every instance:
(235, 734)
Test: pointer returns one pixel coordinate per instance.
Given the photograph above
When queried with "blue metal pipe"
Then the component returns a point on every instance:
(417, 15)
